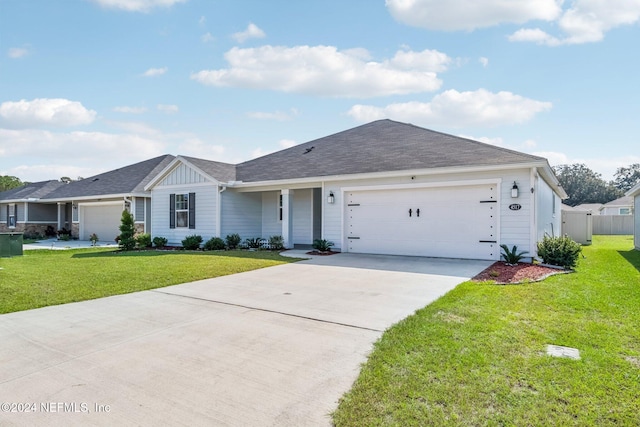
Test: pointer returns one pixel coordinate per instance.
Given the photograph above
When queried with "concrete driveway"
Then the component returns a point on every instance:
(276, 346)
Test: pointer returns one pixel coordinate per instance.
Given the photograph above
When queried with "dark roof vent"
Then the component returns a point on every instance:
(95, 179)
(308, 150)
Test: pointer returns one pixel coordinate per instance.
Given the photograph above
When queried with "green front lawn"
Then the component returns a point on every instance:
(49, 277)
(477, 355)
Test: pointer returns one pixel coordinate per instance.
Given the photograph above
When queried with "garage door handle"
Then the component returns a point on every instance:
(488, 241)
(418, 212)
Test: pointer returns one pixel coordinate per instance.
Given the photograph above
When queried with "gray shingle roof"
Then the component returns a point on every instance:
(33, 190)
(223, 172)
(125, 180)
(380, 146)
(622, 201)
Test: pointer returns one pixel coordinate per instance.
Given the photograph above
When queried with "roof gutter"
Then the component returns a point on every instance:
(388, 174)
(94, 197)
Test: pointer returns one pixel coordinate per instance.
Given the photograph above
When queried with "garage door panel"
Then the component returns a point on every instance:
(104, 220)
(444, 222)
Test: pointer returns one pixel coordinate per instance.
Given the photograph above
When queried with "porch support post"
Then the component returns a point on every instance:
(61, 215)
(287, 218)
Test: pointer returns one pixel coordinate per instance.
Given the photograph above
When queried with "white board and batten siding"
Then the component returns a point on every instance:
(184, 180)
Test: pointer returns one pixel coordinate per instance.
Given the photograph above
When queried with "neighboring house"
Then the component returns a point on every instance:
(90, 205)
(20, 210)
(384, 188)
(593, 207)
(621, 206)
(634, 193)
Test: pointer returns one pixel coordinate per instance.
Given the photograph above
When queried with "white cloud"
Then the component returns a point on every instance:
(535, 35)
(44, 111)
(585, 21)
(259, 152)
(202, 20)
(279, 116)
(468, 15)
(129, 110)
(327, 71)
(287, 143)
(137, 5)
(207, 38)
(458, 109)
(194, 147)
(282, 144)
(152, 72)
(484, 61)
(427, 60)
(17, 52)
(579, 21)
(252, 32)
(169, 109)
(97, 151)
(486, 139)
(46, 172)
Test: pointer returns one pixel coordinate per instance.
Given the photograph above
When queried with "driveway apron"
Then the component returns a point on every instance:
(275, 346)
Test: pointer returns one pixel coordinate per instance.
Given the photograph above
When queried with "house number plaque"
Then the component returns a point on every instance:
(515, 207)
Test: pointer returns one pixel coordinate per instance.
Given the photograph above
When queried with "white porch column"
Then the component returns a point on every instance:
(287, 217)
(61, 215)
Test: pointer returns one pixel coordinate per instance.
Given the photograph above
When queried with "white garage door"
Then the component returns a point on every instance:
(104, 220)
(450, 222)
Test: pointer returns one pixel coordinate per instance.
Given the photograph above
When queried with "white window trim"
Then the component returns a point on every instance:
(185, 210)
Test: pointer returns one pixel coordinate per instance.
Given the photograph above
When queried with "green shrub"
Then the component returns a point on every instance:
(126, 241)
(254, 243)
(160, 242)
(192, 243)
(143, 240)
(233, 240)
(276, 243)
(214, 244)
(560, 251)
(322, 245)
(512, 256)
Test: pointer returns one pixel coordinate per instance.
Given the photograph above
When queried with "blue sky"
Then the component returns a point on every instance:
(90, 85)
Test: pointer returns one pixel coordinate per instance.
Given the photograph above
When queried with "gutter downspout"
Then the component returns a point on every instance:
(221, 189)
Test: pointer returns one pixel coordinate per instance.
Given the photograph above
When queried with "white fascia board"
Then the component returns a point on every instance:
(100, 197)
(167, 170)
(550, 178)
(634, 191)
(317, 181)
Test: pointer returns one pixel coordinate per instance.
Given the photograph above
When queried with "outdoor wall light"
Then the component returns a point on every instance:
(331, 198)
(514, 190)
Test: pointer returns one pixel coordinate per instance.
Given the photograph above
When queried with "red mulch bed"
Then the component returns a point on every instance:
(503, 273)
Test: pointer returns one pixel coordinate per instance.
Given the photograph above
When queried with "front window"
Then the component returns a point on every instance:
(182, 210)
(11, 221)
(625, 211)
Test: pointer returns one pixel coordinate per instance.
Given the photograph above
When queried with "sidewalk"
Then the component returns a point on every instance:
(67, 244)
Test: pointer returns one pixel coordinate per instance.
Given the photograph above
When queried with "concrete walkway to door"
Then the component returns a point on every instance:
(276, 346)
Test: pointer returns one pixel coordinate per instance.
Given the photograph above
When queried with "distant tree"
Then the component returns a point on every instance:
(8, 182)
(65, 179)
(626, 178)
(584, 185)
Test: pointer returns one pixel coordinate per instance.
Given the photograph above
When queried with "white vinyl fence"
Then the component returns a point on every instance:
(612, 224)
